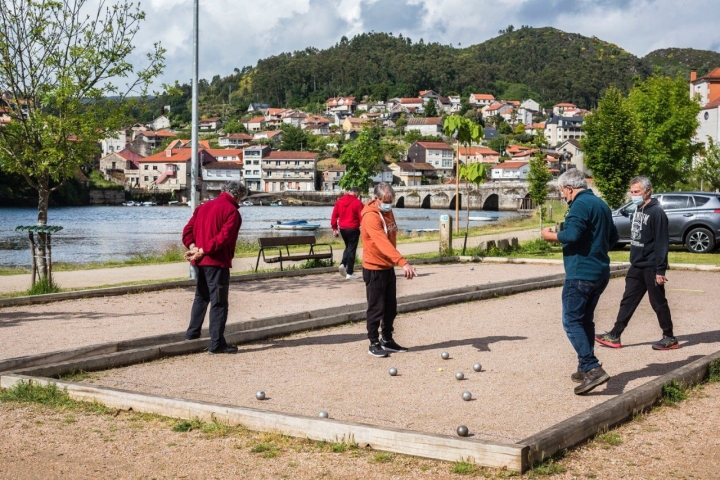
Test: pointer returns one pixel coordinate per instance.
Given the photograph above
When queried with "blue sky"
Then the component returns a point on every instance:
(238, 33)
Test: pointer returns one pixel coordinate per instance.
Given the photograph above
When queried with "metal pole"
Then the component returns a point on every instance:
(194, 139)
(457, 187)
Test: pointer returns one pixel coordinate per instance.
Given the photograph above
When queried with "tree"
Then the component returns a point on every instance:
(519, 129)
(504, 128)
(708, 168)
(233, 126)
(538, 178)
(667, 117)
(464, 132)
(361, 159)
(612, 146)
(294, 138)
(431, 109)
(474, 174)
(60, 71)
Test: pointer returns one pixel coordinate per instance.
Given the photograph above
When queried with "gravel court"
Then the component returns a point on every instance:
(527, 360)
(29, 330)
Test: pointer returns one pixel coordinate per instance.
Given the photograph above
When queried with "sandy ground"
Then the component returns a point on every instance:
(56, 326)
(527, 360)
(108, 276)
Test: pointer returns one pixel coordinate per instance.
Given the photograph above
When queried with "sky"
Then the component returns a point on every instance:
(237, 33)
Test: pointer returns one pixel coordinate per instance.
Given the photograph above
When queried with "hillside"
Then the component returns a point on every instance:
(679, 61)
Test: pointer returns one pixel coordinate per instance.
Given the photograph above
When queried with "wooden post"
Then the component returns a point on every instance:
(49, 255)
(33, 261)
(446, 230)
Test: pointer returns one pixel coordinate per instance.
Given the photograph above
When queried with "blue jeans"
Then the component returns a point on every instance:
(579, 299)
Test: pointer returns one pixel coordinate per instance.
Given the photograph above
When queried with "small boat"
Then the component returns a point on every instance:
(276, 204)
(490, 218)
(173, 202)
(149, 204)
(130, 203)
(422, 230)
(247, 203)
(295, 225)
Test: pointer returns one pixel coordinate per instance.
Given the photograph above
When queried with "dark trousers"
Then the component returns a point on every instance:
(213, 286)
(382, 302)
(637, 282)
(351, 237)
(579, 299)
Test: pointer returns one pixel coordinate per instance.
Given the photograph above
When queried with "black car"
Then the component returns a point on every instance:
(693, 219)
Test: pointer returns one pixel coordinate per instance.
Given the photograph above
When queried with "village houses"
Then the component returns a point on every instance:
(470, 155)
(437, 154)
(707, 88)
(429, 126)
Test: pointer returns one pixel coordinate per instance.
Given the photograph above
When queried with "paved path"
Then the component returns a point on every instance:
(109, 276)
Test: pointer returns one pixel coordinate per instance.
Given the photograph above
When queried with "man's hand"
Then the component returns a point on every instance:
(660, 279)
(409, 271)
(190, 254)
(336, 233)
(548, 235)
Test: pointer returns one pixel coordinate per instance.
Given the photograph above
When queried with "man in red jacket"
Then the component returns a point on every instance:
(210, 236)
(345, 221)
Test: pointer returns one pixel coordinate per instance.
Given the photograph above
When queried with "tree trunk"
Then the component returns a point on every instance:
(43, 200)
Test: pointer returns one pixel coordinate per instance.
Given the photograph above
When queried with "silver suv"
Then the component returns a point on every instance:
(693, 219)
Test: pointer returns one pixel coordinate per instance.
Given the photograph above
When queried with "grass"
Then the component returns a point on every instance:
(714, 371)
(382, 457)
(549, 467)
(49, 395)
(673, 393)
(464, 468)
(44, 286)
(611, 439)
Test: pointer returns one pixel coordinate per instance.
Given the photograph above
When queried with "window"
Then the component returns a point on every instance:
(154, 178)
(146, 167)
(700, 201)
(146, 177)
(154, 167)
(676, 202)
(447, 163)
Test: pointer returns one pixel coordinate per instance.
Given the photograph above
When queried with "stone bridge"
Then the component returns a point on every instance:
(491, 196)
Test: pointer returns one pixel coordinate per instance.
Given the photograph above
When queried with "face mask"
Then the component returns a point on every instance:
(637, 200)
(386, 207)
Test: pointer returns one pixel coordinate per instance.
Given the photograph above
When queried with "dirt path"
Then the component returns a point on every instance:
(109, 276)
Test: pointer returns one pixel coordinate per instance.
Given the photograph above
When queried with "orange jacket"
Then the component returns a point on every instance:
(378, 231)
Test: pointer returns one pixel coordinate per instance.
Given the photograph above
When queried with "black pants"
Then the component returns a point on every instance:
(637, 282)
(213, 286)
(351, 237)
(382, 302)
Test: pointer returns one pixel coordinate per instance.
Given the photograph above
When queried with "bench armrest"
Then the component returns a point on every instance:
(312, 247)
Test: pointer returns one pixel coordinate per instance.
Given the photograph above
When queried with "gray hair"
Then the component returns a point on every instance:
(236, 189)
(572, 178)
(382, 189)
(644, 182)
(355, 189)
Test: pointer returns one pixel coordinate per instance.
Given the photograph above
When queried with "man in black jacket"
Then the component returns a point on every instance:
(649, 242)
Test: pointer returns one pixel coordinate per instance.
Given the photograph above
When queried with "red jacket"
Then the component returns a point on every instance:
(346, 213)
(214, 227)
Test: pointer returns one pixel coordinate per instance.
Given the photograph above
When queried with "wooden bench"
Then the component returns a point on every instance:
(276, 243)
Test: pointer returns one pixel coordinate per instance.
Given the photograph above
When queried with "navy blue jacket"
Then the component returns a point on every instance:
(587, 236)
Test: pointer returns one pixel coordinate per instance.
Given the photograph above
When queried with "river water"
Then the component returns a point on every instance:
(98, 234)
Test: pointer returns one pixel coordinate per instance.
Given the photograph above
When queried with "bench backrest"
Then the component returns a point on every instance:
(289, 240)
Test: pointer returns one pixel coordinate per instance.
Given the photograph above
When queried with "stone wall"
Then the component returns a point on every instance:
(107, 197)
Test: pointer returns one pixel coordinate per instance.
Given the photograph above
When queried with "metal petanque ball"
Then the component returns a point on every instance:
(323, 414)
(459, 375)
(444, 355)
(462, 431)
(467, 396)
(260, 395)
(392, 371)
(477, 367)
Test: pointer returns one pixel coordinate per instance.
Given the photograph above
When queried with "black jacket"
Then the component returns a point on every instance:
(649, 238)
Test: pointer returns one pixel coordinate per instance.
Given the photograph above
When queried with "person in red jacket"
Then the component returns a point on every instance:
(210, 237)
(345, 221)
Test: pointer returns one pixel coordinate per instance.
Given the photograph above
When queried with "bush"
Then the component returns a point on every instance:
(44, 286)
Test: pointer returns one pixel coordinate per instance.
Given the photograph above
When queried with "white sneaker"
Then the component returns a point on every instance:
(351, 276)
(342, 270)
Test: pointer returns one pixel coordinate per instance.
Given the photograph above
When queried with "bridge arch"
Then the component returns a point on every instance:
(492, 203)
(427, 201)
(459, 199)
(400, 202)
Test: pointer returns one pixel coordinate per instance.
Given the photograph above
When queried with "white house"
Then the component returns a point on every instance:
(252, 163)
(497, 108)
(383, 175)
(437, 154)
(485, 155)
(510, 171)
(216, 174)
(160, 122)
(479, 100)
(576, 156)
(425, 125)
(113, 144)
(287, 170)
(254, 124)
(235, 140)
(559, 109)
(212, 123)
(559, 129)
(530, 104)
(708, 89)
(412, 104)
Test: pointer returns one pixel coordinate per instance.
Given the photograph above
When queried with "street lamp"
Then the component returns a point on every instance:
(194, 138)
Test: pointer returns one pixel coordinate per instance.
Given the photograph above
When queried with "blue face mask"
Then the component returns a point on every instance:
(637, 200)
(386, 207)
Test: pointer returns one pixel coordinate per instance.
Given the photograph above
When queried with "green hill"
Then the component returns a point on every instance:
(679, 61)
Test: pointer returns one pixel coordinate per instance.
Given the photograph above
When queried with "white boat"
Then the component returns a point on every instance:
(422, 230)
(484, 219)
(295, 225)
(130, 203)
(247, 203)
(149, 204)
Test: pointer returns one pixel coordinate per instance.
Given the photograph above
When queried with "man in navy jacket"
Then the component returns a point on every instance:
(210, 237)
(588, 234)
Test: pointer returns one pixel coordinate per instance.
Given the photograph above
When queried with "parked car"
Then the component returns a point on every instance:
(693, 219)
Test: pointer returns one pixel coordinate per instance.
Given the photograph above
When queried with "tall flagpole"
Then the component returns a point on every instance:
(194, 140)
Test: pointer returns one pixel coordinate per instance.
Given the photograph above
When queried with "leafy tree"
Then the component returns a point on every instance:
(519, 129)
(401, 122)
(499, 144)
(431, 109)
(667, 117)
(361, 159)
(504, 128)
(233, 126)
(708, 168)
(474, 174)
(612, 146)
(465, 132)
(412, 136)
(539, 139)
(538, 178)
(61, 70)
(294, 138)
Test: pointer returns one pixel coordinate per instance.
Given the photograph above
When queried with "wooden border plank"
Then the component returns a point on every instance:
(408, 442)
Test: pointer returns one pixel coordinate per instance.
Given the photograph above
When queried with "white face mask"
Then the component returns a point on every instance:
(386, 207)
(637, 200)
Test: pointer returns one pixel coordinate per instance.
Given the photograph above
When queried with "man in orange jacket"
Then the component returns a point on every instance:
(380, 255)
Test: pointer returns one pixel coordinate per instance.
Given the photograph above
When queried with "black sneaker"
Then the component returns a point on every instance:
(667, 343)
(376, 350)
(391, 346)
(578, 376)
(608, 340)
(593, 378)
(225, 349)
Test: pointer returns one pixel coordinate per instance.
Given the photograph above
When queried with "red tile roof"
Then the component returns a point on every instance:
(411, 100)
(226, 165)
(565, 105)
(288, 155)
(419, 166)
(177, 155)
(713, 75)
(510, 165)
(483, 96)
(435, 145)
(238, 136)
(477, 151)
(226, 152)
(713, 104)
(256, 120)
(425, 121)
